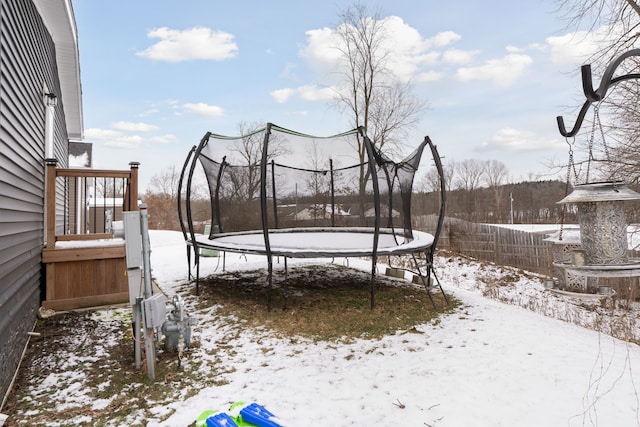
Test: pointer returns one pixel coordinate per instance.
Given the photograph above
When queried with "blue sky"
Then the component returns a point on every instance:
(157, 75)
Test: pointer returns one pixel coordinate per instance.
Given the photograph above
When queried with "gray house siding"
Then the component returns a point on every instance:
(27, 63)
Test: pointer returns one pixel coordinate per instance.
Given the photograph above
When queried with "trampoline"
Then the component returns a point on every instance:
(287, 195)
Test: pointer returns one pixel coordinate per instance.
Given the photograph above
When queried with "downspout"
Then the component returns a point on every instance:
(50, 101)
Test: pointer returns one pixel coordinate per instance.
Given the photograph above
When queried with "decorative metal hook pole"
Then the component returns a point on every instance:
(597, 95)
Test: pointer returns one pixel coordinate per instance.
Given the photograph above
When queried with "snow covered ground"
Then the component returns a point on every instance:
(500, 360)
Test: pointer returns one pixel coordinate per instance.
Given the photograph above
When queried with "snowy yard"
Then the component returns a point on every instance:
(502, 359)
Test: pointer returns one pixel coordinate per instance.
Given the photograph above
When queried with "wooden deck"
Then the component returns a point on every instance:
(86, 268)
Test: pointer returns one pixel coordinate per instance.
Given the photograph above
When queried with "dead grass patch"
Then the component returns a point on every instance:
(327, 302)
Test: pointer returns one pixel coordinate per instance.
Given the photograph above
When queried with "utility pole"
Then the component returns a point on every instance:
(510, 208)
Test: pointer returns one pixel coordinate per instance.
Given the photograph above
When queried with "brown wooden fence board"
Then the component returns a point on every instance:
(486, 242)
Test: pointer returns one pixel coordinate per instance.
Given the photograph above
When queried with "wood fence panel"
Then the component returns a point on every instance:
(491, 243)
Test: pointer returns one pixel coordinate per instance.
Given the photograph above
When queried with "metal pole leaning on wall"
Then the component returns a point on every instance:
(149, 330)
(137, 248)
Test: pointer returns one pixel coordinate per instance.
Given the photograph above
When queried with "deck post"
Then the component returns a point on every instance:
(131, 198)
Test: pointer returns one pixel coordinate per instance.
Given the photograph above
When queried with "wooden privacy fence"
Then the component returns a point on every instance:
(516, 248)
(492, 243)
(85, 265)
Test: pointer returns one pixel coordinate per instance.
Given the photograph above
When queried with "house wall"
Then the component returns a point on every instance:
(27, 63)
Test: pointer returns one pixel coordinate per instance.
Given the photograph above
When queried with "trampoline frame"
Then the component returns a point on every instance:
(195, 242)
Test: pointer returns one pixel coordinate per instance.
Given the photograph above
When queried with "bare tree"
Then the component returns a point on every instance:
(318, 183)
(396, 111)
(495, 173)
(468, 178)
(621, 17)
(165, 182)
(468, 174)
(108, 187)
(372, 94)
(246, 180)
(431, 179)
(161, 199)
(620, 141)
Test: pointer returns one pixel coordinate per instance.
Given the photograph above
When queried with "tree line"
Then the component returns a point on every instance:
(524, 202)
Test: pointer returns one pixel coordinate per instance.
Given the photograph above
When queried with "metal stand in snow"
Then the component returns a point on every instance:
(149, 310)
(150, 317)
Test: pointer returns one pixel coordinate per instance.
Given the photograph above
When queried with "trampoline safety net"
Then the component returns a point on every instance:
(278, 179)
(285, 179)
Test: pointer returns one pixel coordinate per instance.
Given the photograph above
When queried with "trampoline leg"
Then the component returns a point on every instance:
(286, 284)
(270, 280)
(373, 284)
(426, 282)
(373, 292)
(427, 286)
(440, 285)
(189, 277)
(197, 279)
(431, 270)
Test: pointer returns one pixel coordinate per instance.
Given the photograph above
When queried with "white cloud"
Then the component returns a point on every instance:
(514, 140)
(572, 48)
(163, 139)
(315, 93)
(459, 57)
(576, 48)
(281, 95)
(289, 71)
(321, 51)
(97, 133)
(132, 141)
(149, 112)
(126, 135)
(515, 49)
(134, 127)
(409, 53)
(429, 76)
(503, 72)
(189, 44)
(306, 93)
(540, 47)
(444, 38)
(204, 109)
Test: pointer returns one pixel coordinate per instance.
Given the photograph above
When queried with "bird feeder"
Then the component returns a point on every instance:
(603, 224)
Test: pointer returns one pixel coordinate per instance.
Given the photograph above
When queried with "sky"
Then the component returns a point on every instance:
(157, 75)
